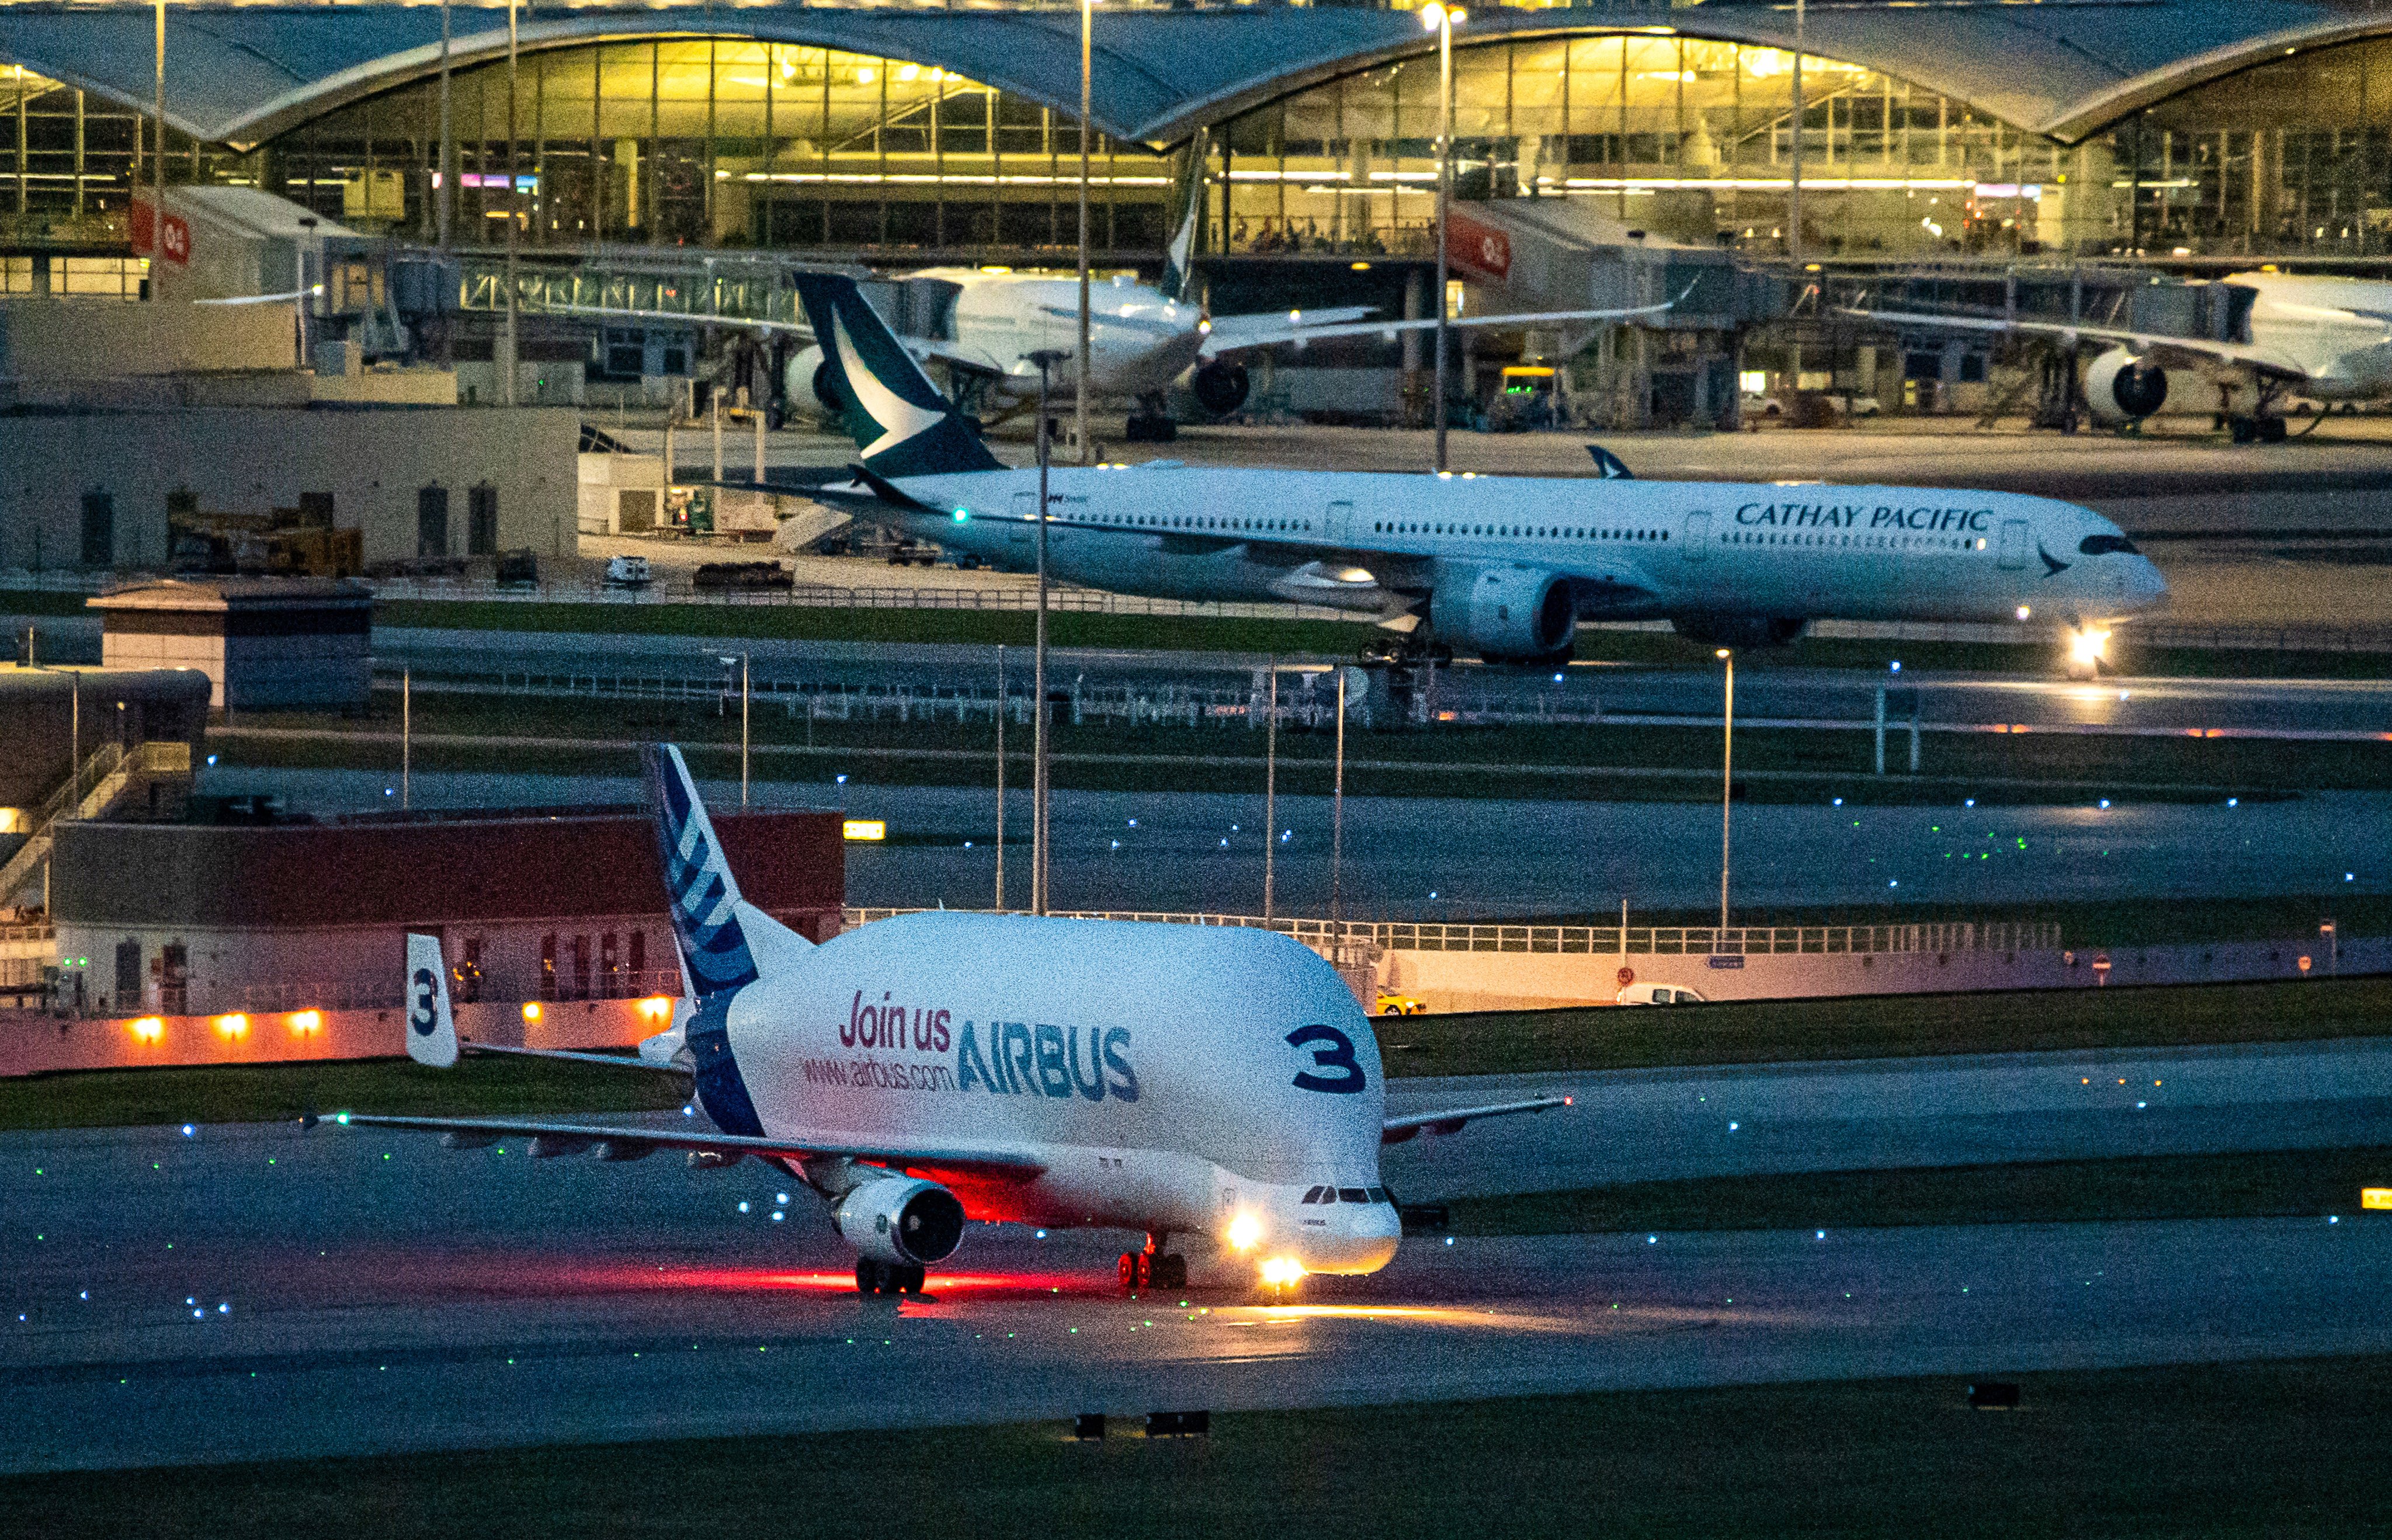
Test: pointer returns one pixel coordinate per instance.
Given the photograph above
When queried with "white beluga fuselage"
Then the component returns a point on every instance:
(1179, 1079)
(1140, 341)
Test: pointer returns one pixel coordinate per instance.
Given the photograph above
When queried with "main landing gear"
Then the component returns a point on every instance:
(1152, 1268)
(880, 1277)
(1150, 423)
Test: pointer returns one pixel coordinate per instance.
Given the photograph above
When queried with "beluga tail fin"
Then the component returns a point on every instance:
(900, 421)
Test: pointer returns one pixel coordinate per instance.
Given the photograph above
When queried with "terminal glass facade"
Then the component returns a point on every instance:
(2293, 157)
(725, 143)
(1684, 137)
(68, 160)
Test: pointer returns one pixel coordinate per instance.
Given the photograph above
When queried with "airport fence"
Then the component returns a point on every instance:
(1006, 597)
(1651, 940)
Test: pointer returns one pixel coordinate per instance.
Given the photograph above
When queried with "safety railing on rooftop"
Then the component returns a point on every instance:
(1658, 940)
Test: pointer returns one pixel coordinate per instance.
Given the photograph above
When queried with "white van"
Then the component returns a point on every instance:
(1656, 994)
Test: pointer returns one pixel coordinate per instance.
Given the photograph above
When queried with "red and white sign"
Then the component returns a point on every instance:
(1480, 249)
(1627, 977)
(142, 226)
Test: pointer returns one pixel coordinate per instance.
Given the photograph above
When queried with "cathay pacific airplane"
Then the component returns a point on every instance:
(1503, 566)
(931, 1069)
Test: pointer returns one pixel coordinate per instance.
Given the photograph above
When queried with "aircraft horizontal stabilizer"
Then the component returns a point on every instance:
(1395, 1131)
(995, 1161)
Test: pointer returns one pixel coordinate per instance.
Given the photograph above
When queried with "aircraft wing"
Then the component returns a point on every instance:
(993, 1160)
(1395, 1131)
(1219, 343)
(1231, 333)
(2187, 349)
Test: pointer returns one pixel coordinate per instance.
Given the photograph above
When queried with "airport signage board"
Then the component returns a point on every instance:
(1725, 960)
(2376, 1198)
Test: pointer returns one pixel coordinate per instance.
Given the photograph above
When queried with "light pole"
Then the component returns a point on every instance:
(1000, 777)
(1088, 52)
(405, 738)
(1441, 20)
(444, 180)
(158, 164)
(1727, 782)
(1794, 190)
(1270, 791)
(743, 723)
(1337, 826)
(1045, 358)
(514, 340)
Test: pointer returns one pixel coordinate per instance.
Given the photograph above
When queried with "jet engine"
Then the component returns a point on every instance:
(901, 1221)
(2121, 388)
(1220, 386)
(808, 384)
(1739, 630)
(1507, 614)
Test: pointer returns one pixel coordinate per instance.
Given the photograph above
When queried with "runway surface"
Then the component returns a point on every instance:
(253, 1292)
(1439, 859)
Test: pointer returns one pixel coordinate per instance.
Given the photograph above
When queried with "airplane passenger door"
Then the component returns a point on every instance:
(1337, 525)
(2014, 543)
(1022, 530)
(1698, 537)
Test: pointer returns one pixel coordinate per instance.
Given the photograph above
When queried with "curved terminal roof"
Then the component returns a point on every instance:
(243, 74)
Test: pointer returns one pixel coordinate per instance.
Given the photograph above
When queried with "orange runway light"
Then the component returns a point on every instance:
(656, 1007)
(531, 1010)
(148, 1029)
(306, 1023)
(235, 1025)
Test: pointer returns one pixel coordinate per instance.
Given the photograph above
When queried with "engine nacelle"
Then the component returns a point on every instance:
(1220, 386)
(1739, 630)
(2121, 388)
(1506, 615)
(903, 1220)
(807, 383)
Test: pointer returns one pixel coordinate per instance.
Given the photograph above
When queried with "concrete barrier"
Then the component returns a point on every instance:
(31, 1043)
(1520, 980)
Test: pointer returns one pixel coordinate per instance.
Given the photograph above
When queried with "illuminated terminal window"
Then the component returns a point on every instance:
(728, 143)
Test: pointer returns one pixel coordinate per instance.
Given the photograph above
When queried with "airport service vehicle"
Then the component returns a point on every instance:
(1141, 338)
(628, 572)
(1400, 1004)
(1504, 567)
(1656, 994)
(925, 1072)
(2325, 339)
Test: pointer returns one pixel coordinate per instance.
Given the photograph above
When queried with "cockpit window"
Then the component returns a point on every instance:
(2103, 545)
(1378, 1195)
(1314, 1196)
(1353, 1195)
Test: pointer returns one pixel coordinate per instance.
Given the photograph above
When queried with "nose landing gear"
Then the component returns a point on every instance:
(880, 1277)
(1152, 1268)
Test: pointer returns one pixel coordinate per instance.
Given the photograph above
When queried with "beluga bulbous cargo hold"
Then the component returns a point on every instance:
(926, 1071)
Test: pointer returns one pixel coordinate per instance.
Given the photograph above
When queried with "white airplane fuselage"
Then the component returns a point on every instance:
(2336, 331)
(1176, 1078)
(1629, 548)
(1139, 340)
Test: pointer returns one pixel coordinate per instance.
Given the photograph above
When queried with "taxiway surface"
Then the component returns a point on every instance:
(254, 1292)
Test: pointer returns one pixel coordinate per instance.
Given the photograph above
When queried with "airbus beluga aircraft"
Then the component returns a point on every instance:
(931, 1069)
(1504, 567)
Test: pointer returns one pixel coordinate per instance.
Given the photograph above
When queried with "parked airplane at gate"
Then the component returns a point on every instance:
(2329, 338)
(1141, 339)
(923, 1071)
(1503, 566)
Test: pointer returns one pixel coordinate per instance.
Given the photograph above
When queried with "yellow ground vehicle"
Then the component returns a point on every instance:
(1398, 1004)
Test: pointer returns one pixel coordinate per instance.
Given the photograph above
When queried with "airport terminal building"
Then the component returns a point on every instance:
(2234, 129)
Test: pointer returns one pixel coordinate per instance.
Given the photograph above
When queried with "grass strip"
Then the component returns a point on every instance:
(1764, 1031)
(270, 1092)
(2227, 1450)
(2270, 1185)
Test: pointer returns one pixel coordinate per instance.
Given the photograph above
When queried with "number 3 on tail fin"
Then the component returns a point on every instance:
(431, 1031)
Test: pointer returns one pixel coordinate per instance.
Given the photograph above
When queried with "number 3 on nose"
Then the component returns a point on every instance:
(1333, 1050)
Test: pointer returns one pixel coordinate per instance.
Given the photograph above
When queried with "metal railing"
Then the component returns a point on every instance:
(1658, 940)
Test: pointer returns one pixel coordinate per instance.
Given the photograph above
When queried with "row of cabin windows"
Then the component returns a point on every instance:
(1520, 532)
(1847, 538)
(1194, 521)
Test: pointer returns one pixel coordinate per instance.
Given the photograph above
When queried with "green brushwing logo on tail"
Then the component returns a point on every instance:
(895, 415)
(1179, 256)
